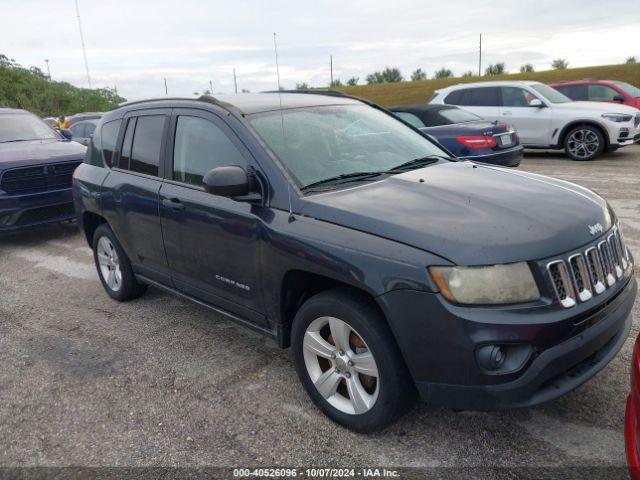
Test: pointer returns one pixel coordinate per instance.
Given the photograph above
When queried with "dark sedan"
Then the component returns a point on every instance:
(36, 167)
(465, 134)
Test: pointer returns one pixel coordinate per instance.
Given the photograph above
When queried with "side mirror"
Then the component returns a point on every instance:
(66, 133)
(536, 103)
(232, 182)
(619, 98)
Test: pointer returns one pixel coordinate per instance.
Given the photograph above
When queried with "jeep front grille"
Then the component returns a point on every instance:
(584, 275)
(51, 176)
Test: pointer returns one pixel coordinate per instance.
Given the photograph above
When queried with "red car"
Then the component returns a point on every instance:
(600, 91)
(631, 424)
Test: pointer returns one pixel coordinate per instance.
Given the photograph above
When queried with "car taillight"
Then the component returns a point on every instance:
(477, 141)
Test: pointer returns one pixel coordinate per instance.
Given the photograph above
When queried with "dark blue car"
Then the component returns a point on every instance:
(36, 167)
(465, 134)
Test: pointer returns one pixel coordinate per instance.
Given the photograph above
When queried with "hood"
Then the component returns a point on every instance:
(604, 107)
(469, 214)
(39, 152)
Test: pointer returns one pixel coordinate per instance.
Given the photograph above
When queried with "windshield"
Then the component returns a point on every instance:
(551, 94)
(23, 126)
(630, 89)
(318, 143)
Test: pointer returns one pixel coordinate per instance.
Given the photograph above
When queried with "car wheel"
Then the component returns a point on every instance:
(114, 268)
(584, 143)
(347, 360)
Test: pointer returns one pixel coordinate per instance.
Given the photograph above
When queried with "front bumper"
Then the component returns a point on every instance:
(439, 342)
(25, 210)
(506, 158)
(624, 134)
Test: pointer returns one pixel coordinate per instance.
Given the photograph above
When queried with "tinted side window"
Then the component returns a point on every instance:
(516, 97)
(454, 98)
(200, 146)
(482, 97)
(89, 129)
(125, 155)
(107, 138)
(574, 92)
(601, 93)
(78, 129)
(147, 141)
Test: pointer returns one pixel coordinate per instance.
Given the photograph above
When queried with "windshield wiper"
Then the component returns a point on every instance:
(20, 140)
(342, 178)
(417, 163)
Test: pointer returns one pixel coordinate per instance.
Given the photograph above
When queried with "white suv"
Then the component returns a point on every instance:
(545, 118)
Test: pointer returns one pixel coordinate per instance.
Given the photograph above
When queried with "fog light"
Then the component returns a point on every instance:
(491, 357)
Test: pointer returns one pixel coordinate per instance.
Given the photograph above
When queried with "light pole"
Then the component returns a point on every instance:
(84, 50)
(46, 60)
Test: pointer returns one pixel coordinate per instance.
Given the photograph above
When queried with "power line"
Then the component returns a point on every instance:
(84, 50)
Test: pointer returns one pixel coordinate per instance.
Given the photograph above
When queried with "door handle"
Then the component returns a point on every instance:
(507, 113)
(173, 203)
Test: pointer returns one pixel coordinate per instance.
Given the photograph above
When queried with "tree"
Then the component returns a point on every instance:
(302, 86)
(468, 74)
(631, 60)
(388, 75)
(526, 68)
(559, 64)
(353, 81)
(497, 69)
(418, 74)
(443, 73)
(336, 83)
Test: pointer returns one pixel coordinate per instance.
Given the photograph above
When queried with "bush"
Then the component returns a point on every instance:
(497, 69)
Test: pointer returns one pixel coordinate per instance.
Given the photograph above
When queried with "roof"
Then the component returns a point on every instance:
(250, 103)
(584, 80)
(494, 83)
(13, 110)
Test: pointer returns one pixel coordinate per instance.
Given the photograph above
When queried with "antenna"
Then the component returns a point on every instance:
(84, 50)
(275, 49)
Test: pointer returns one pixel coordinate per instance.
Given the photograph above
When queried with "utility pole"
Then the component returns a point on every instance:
(46, 60)
(331, 68)
(84, 50)
(480, 58)
(235, 80)
(210, 87)
(166, 91)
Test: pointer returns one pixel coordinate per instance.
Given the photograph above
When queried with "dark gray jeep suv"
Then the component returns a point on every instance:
(330, 225)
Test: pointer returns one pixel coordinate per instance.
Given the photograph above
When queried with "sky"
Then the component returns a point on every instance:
(134, 45)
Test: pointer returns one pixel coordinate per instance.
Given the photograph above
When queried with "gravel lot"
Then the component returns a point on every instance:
(87, 381)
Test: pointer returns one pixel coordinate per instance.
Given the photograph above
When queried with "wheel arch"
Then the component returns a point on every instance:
(580, 123)
(298, 286)
(90, 222)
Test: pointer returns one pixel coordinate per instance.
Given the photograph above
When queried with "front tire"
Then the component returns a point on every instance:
(114, 267)
(347, 360)
(584, 143)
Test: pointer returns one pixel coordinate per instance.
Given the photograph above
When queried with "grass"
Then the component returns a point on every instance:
(404, 93)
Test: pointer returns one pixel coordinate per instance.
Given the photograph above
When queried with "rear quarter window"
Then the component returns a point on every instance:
(104, 142)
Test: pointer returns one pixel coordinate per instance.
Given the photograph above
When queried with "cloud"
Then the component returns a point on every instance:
(135, 45)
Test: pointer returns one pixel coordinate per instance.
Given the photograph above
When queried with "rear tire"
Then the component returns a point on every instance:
(584, 143)
(337, 336)
(114, 267)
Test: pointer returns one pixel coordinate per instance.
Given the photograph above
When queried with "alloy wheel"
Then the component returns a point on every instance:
(109, 264)
(341, 365)
(583, 143)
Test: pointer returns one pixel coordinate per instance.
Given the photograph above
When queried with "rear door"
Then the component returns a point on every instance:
(213, 243)
(533, 124)
(130, 192)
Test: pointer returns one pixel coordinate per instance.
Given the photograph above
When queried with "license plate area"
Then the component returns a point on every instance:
(504, 140)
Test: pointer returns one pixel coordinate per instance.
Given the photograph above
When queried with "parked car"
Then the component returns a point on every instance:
(80, 117)
(327, 224)
(36, 164)
(465, 134)
(600, 91)
(632, 416)
(545, 118)
(83, 131)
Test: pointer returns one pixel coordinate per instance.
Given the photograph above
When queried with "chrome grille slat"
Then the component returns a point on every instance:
(584, 275)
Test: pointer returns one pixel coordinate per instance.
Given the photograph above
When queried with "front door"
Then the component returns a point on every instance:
(532, 123)
(212, 243)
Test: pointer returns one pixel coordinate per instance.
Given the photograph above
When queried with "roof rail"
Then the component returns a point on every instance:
(202, 98)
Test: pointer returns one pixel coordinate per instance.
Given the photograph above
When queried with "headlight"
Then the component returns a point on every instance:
(617, 117)
(495, 284)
